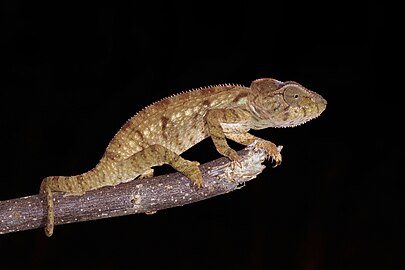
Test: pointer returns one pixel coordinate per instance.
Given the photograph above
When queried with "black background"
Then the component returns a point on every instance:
(75, 72)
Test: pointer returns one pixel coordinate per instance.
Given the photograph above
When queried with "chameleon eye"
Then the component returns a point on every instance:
(292, 95)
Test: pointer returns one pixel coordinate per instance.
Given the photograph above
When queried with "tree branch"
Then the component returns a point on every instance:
(139, 196)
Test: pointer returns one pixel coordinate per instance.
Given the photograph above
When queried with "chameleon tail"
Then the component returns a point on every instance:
(72, 184)
(46, 191)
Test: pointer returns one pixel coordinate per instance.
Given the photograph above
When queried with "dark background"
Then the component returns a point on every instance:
(74, 73)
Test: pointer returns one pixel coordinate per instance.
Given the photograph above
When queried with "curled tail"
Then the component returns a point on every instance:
(72, 184)
(104, 174)
(45, 190)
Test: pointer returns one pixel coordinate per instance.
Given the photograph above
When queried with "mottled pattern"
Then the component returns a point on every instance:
(162, 131)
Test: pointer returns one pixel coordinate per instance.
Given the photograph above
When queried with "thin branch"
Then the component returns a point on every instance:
(138, 196)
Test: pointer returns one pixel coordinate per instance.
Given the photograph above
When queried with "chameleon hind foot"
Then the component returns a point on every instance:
(157, 155)
(190, 170)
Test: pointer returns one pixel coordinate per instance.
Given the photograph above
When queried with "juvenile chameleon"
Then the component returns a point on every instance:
(159, 133)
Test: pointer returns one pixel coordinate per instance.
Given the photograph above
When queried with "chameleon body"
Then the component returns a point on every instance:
(162, 131)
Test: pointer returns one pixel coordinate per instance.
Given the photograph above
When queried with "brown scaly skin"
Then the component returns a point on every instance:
(162, 131)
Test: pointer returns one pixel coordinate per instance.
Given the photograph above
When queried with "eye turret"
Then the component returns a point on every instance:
(292, 95)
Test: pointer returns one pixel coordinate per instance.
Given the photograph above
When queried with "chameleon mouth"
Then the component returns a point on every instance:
(303, 115)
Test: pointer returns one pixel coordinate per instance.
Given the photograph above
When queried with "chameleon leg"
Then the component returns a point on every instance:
(246, 139)
(155, 155)
(214, 118)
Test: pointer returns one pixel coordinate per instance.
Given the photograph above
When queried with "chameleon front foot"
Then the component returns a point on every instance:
(272, 150)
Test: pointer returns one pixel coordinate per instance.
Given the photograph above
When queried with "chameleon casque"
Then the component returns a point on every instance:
(159, 133)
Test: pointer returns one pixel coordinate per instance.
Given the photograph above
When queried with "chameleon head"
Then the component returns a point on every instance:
(283, 104)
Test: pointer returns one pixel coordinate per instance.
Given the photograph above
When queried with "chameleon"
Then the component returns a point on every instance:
(162, 131)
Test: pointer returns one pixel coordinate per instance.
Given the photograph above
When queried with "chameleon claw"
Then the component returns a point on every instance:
(197, 182)
(234, 157)
(272, 151)
(193, 173)
(198, 185)
(234, 164)
(277, 161)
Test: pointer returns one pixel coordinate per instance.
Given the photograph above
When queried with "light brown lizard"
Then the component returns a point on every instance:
(162, 131)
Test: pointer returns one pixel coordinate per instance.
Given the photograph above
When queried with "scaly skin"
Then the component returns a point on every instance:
(162, 131)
